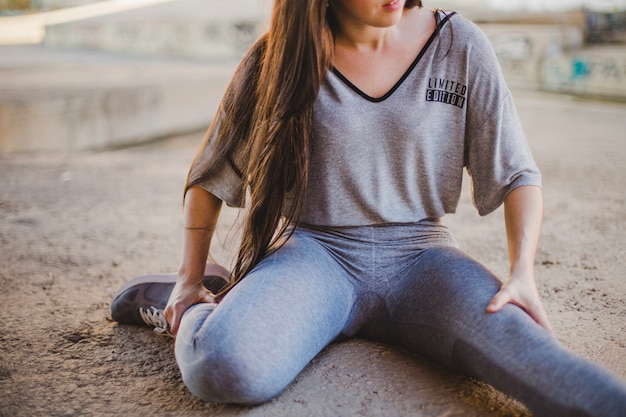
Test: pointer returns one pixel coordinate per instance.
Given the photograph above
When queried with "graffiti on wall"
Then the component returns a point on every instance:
(608, 68)
(592, 74)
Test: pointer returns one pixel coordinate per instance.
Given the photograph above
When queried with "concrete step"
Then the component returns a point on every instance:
(65, 101)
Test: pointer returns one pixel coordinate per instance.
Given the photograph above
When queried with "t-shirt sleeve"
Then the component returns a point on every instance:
(497, 155)
(226, 183)
(499, 159)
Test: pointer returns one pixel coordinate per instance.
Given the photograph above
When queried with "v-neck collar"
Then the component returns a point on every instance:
(406, 73)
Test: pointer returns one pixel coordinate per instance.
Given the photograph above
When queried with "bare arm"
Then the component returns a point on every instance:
(523, 212)
(201, 212)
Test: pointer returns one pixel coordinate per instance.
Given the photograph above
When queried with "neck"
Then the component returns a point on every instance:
(364, 39)
(356, 35)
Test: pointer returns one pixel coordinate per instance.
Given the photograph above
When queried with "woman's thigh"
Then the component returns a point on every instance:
(266, 330)
(438, 308)
(441, 289)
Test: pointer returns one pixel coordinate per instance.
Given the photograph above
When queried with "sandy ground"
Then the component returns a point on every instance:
(74, 227)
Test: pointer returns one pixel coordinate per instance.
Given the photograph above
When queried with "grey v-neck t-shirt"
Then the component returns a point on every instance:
(400, 158)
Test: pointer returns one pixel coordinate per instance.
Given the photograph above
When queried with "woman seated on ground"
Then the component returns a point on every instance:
(345, 131)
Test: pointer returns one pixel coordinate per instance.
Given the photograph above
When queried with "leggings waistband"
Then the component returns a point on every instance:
(424, 234)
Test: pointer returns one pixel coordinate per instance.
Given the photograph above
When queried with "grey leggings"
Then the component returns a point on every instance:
(407, 285)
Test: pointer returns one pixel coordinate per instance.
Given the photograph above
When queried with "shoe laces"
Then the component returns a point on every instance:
(154, 317)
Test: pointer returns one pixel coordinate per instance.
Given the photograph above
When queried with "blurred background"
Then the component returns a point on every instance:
(85, 74)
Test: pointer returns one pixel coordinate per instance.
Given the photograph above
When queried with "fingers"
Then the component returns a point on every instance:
(172, 318)
(177, 306)
(531, 305)
(498, 301)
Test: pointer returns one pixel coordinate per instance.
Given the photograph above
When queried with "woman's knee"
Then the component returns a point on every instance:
(220, 373)
(223, 380)
(218, 366)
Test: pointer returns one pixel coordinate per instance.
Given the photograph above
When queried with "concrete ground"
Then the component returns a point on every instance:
(76, 225)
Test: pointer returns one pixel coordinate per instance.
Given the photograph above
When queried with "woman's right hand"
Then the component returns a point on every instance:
(200, 218)
(185, 294)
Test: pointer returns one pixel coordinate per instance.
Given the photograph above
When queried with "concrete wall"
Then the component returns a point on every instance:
(207, 40)
(589, 72)
(205, 29)
(57, 4)
(523, 49)
(555, 58)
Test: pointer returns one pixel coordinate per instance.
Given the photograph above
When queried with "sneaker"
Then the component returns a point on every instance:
(143, 299)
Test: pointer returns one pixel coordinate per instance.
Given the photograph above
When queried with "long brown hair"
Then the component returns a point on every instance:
(268, 109)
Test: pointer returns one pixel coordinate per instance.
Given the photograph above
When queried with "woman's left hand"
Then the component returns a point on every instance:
(523, 210)
(521, 290)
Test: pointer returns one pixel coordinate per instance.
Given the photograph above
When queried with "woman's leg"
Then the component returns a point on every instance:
(437, 308)
(268, 328)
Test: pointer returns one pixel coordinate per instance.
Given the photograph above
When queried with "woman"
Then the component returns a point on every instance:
(348, 126)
